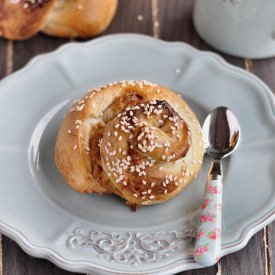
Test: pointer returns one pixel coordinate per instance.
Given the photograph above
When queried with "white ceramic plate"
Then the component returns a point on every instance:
(88, 233)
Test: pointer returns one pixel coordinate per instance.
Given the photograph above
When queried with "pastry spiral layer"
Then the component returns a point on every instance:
(136, 139)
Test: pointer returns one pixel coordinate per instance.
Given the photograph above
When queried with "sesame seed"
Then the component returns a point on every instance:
(165, 191)
(149, 191)
(135, 195)
(115, 133)
(78, 122)
(109, 134)
(156, 24)
(79, 7)
(69, 132)
(152, 184)
(140, 17)
(160, 168)
(151, 197)
(144, 182)
(124, 183)
(75, 146)
(120, 138)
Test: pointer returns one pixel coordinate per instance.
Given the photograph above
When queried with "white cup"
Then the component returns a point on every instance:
(244, 28)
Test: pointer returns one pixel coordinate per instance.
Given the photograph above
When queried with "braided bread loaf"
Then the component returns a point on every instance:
(21, 19)
(133, 138)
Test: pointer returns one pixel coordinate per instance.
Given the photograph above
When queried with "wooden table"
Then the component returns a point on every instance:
(169, 20)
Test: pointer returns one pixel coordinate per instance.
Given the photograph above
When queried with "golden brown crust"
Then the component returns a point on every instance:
(22, 19)
(81, 18)
(133, 138)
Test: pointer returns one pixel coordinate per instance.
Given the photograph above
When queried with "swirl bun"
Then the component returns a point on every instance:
(133, 138)
(21, 19)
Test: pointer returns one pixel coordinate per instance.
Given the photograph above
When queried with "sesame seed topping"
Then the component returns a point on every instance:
(151, 197)
(78, 122)
(75, 146)
(69, 132)
(79, 7)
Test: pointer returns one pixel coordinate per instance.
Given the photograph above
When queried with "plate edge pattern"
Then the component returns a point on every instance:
(57, 259)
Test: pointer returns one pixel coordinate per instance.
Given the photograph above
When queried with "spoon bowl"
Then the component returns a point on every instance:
(221, 133)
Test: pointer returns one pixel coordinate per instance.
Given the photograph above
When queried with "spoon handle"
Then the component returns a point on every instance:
(208, 239)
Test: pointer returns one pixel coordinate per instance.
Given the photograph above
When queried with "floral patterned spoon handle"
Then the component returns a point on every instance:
(208, 243)
(221, 134)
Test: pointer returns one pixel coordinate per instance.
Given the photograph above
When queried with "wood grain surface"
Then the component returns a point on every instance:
(168, 20)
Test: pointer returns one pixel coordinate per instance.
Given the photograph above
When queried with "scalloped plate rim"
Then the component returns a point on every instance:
(79, 266)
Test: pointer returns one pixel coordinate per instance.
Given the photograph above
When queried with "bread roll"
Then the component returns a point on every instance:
(135, 139)
(81, 18)
(21, 19)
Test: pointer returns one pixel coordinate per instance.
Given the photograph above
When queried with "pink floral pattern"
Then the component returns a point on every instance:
(207, 218)
(200, 250)
(215, 234)
(199, 234)
(205, 203)
(208, 238)
(212, 189)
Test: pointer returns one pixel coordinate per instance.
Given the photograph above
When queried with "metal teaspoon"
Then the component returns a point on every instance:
(221, 133)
